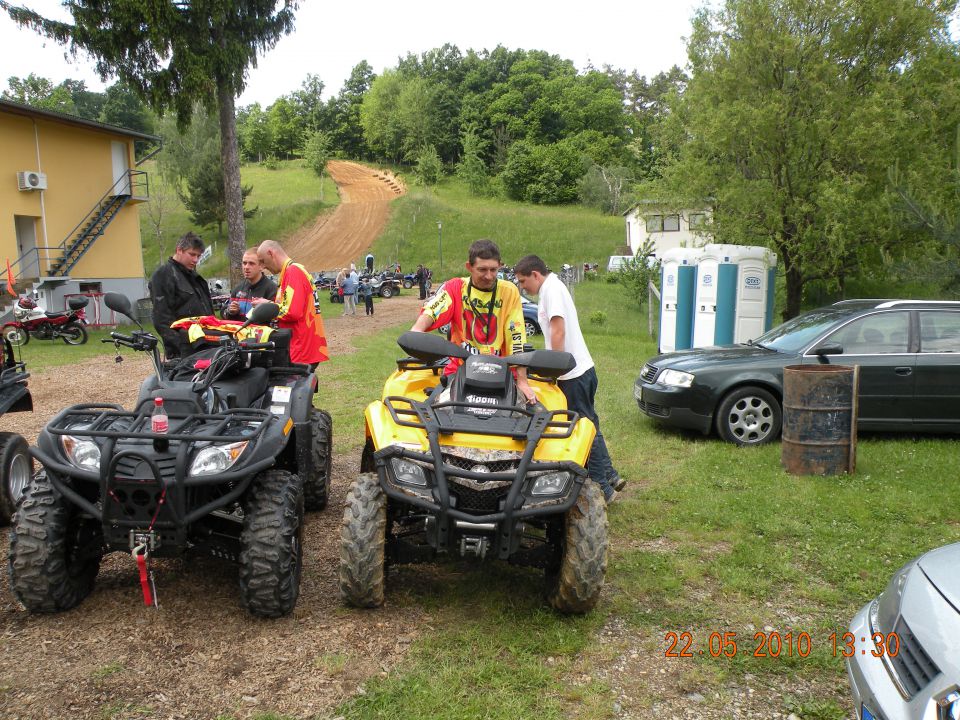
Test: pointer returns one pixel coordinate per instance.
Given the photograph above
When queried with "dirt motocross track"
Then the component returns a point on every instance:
(339, 238)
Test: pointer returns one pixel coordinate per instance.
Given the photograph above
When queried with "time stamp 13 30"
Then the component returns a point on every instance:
(775, 644)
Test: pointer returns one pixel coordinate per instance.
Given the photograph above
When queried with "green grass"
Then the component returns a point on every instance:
(285, 199)
(43, 354)
(744, 546)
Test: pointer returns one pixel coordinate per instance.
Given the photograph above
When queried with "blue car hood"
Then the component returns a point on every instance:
(942, 568)
(714, 355)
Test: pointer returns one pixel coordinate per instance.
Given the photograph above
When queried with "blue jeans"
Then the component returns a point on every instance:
(580, 393)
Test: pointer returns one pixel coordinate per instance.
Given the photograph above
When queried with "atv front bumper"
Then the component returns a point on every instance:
(143, 485)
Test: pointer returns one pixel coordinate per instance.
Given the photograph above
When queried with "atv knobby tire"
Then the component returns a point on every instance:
(16, 469)
(271, 554)
(575, 585)
(316, 487)
(362, 539)
(54, 553)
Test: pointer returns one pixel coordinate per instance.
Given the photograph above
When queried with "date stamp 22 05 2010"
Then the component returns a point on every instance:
(775, 644)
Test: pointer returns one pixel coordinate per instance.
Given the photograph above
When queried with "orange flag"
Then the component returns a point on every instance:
(10, 280)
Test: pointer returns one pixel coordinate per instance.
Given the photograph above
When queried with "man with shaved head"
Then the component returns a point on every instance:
(308, 343)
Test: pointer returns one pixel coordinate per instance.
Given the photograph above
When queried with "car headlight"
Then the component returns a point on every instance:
(216, 458)
(82, 452)
(675, 378)
(408, 473)
(885, 610)
(553, 483)
(949, 706)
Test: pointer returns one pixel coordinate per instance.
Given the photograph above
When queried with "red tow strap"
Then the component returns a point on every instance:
(144, 579)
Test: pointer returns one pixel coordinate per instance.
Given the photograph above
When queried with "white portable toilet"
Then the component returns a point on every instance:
(677, 291)
(716, 296)
(755, 285)
(734, 294)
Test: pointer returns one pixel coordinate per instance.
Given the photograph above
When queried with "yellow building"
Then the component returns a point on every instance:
(69, 195)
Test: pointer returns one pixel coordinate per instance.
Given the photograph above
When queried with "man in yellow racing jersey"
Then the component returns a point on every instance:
(485, 314)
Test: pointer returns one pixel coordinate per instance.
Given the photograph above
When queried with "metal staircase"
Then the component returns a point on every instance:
(87, 233)
(56, 262)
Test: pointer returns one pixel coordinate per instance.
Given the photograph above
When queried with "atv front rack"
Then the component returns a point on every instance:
(529, 426)
(522, 424)
(147, 481)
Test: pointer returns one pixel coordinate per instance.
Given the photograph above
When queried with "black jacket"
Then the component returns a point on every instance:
(264, 288)
(177, 293)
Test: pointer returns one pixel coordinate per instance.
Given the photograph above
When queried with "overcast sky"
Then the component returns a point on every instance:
(331, 38)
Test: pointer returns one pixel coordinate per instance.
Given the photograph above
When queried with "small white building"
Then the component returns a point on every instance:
(667, 227)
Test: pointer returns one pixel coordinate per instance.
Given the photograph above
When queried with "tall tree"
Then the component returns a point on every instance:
(790, 121)
(343, 114)
(174, 53)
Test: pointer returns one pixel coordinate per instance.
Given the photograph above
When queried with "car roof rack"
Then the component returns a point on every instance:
(894, 303)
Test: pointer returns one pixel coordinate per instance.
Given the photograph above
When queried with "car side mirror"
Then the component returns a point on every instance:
(828, 349)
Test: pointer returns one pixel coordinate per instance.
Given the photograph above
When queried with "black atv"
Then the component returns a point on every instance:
(245, 453)
(470, 470)
(16, 465)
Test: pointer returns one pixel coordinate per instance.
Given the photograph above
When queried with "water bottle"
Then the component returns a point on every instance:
(159, 423)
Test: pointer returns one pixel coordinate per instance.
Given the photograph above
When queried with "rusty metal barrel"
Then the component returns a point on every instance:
(819, 419)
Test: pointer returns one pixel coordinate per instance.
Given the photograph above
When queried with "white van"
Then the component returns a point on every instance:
(618, 261)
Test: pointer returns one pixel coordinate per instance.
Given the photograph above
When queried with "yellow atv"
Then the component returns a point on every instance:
(467, 468)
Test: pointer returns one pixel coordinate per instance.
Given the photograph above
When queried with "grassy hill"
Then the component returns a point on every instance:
(568, 234)
(285, 199)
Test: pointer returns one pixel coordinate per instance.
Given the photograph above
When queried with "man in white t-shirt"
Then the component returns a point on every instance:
(561, 330)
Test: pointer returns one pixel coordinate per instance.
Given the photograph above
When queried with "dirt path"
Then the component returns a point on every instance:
(200, 654)
(344, 236)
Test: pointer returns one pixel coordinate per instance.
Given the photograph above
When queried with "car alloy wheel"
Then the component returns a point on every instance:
(749, 416)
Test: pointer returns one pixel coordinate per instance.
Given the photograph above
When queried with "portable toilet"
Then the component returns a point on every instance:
(734, 294)
(677, 291)
(755, 292)
(716, 296)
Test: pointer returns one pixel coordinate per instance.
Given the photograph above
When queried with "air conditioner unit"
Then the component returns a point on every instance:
(30, 180)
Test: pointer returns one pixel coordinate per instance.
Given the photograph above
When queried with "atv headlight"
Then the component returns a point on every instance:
(675, 378)
(216, 458)
(408, 473)
(82, 452)
(553, 483)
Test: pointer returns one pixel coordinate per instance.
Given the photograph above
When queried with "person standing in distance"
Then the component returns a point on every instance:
(485, 315)
(254, 284)
(350, 283)
(298, 311)
(558, 318)
(369, 262)
(178, 291)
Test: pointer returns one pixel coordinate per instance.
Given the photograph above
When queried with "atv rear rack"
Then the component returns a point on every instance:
(523, 424)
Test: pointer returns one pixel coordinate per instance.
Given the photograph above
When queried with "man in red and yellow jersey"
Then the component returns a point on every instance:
(308, 343)
(484, 313)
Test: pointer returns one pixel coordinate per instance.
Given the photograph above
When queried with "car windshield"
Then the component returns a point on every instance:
(794, 335)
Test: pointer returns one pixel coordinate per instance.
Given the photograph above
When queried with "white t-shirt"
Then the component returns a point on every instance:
(555, 301)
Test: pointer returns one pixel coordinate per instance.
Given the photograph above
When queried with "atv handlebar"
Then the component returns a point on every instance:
(139, 340)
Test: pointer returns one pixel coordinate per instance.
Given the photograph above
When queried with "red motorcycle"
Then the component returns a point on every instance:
(29, 319)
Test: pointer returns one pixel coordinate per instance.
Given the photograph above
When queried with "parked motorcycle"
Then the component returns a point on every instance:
(30, 319)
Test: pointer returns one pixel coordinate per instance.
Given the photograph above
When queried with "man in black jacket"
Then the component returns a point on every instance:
(255, 285)
(177, 292)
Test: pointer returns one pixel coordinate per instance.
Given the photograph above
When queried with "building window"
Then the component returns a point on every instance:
(671, 223)
(697, 220)
(654, 223)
